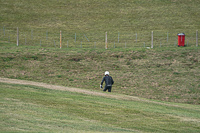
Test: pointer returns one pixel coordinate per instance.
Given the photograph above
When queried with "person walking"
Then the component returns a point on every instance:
(108, 82)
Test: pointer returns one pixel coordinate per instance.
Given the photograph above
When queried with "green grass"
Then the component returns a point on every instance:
(28, 108)
(167, 74)
(101, 15)
(43, 20)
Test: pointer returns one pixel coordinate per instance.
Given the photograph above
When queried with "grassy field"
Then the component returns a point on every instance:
(42, 19)
(166, 73)
(90, 16)
(36, 109)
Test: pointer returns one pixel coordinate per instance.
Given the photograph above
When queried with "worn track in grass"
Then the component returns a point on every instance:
(88, 92)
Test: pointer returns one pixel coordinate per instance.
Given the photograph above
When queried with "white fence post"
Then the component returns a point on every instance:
(152, 39)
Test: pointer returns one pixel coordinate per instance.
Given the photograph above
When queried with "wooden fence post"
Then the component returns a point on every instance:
(25, 39)
(67, 44)
(4, 31)
(46, 35)
(106, 45)
(167, 36)
(17, 36)
(118, 37)
(60, 39)
(75, 38)
(136, 38)
(31, 34)
(197, 38)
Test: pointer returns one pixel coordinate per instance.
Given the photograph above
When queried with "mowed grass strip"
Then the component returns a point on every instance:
(29, 108)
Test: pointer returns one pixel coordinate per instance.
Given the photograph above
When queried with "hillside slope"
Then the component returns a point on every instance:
(164, 74)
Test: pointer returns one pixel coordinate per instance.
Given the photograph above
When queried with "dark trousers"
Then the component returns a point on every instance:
(107, 88)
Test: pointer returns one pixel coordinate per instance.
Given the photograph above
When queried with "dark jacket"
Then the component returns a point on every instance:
(108, 80)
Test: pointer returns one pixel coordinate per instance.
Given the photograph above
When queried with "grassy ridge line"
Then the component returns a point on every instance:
(88, 92)
(30, 108)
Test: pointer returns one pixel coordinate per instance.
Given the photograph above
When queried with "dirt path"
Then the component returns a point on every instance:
(88, 92)
(63, 88)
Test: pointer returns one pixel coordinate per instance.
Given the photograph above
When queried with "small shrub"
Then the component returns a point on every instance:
(71, 80)
(5, 59)
(59, 76)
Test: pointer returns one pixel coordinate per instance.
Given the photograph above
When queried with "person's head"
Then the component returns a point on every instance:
(106, 73)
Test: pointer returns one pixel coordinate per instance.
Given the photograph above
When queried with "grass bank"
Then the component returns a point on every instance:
(167, 74)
